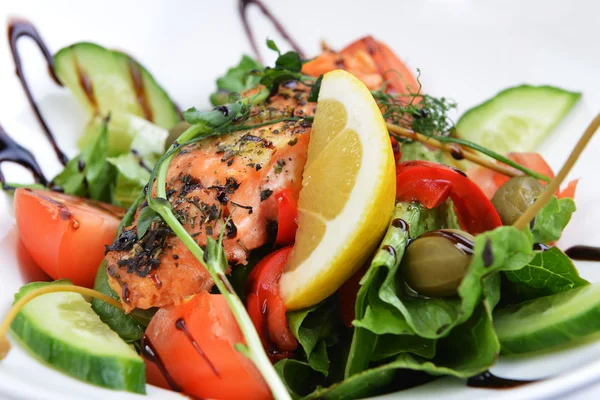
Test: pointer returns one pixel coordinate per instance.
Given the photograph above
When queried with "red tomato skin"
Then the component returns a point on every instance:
(287, 219)
(65, 235)
(212, 326)
(432, 183)
(266, 307)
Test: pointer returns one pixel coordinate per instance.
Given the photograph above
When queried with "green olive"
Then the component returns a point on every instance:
(434, 264)
(175, 132)
(515, 196)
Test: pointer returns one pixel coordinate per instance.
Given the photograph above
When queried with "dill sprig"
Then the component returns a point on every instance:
(417, 111)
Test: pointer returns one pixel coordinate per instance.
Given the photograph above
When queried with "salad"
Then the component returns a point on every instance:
(326, 231)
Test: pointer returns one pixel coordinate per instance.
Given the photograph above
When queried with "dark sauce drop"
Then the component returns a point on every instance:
(487, 254)
(18, 28)
(584, 253)
(180, 325)
(389, 249)
(400, 223)
(11, 151)
(458, 171)
(457, 153)
(461, 242)
(243, 9)
(489, 381)
(149, 353)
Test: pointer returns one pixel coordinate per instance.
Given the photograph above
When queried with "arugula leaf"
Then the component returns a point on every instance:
(216, 118)
(127, 327)
(271, 45)
(314, 328)
(550, 272)
(298, 376)
(237, 79)
(391, 345)
(471, 348)
(130, 180)
(552, 220)
(289, 61)
(144, 221)
(315, 90)
(88, 174)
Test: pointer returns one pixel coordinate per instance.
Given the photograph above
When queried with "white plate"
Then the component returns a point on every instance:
(467, 50)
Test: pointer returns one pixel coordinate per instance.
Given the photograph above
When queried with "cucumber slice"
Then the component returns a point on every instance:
(105, 80)
(62, 329)
(516, 119)
(549, 321)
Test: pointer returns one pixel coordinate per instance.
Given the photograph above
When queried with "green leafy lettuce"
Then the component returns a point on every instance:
(88, 174)
(552, 220)
(315, 329)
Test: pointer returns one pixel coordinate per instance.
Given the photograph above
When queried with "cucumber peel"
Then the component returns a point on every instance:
(549, 321)
(517, 118)
(61, 329)
(105, 80)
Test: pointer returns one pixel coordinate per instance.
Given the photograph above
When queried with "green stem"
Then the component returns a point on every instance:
(494, 155)
(255, 351)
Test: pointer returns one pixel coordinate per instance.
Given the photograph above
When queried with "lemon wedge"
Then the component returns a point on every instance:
(347, 195)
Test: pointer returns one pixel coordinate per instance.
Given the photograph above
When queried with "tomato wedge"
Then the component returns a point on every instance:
(194, 341)
(432, 183)
(65, 235)
(287, 219)
(266, 308)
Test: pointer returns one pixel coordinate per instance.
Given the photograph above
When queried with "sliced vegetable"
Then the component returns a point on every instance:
(549, 321)
(287, 217)
(125, 132)
(75, 232)
(196, 342)
(266, 307)
(62, 329)
(105, 80)
(517, 118)
(431, 184)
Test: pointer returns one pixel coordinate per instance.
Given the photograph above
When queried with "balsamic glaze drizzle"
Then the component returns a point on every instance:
(243, 10)
(459, 241)
(584, 253)
(149, 353)
(489, 381)
(18, 28)
(12, 151)
(181, 326)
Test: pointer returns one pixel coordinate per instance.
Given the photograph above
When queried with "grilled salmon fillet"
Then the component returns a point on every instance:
(236, 176)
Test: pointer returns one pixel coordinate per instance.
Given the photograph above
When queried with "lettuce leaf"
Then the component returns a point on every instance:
(550, 272)
(552, 220)
(315, 329)
(88, 174)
